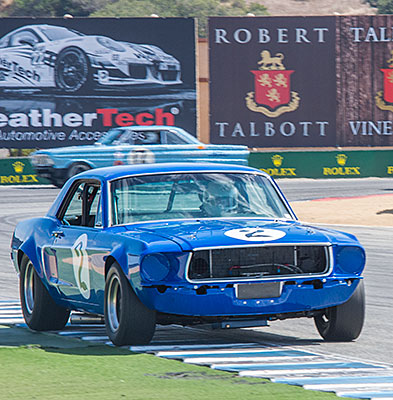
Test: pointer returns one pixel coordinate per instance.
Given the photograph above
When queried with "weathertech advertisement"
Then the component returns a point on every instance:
(301, 81)
(68, 81)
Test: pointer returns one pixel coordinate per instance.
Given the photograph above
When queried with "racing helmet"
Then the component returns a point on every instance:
(220, 198)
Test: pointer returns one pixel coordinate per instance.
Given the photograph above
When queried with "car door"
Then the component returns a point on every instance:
(79, 257)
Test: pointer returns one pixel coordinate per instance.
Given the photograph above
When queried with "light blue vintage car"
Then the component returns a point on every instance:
(133, 145)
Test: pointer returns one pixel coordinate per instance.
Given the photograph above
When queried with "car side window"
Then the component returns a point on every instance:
(22, 38)
(173, 138)
(83, 209)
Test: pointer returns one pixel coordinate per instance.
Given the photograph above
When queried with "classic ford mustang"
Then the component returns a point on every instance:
(186, 244)
(48, 56)
(133, 145)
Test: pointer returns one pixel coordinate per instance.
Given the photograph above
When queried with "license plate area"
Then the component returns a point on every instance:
(266, 290)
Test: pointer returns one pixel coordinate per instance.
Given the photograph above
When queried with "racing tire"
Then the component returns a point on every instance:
(72, 70)
(40, 311)
(127, 320)
(77, 168)
(343, 323)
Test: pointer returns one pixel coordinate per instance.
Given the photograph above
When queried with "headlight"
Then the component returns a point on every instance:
(110, 44)
(155, 267)
(351, 259)
(41, 160)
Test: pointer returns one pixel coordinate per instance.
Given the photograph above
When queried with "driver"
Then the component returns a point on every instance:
(219, 199)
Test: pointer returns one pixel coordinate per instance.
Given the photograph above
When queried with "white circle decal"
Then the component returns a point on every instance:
(255, 234)
(141, 156)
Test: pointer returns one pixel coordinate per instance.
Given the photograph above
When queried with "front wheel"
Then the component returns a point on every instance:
(128, 321)
(345, 321)
(76, 169)
(72, 70)
(40, 311)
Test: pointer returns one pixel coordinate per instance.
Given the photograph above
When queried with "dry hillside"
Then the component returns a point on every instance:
(317, 7)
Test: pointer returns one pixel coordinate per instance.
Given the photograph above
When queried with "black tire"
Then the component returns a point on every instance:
(343, 323)
(72, 71)
(128, 321)
(40, 311)
(77, 168)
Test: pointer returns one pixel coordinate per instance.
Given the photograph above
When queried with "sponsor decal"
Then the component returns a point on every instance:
(272, 96)
(277, 161)
(342, 169)
(80, 264)
(255, 234)
(18, 167)
(141, 156)
(384, 98)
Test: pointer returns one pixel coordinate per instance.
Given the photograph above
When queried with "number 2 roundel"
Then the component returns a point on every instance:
(255, 234)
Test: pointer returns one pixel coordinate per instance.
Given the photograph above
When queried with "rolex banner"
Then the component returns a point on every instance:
(301, 81)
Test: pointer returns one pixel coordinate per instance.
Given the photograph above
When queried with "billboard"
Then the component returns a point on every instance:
(301, 81)
(68, 81)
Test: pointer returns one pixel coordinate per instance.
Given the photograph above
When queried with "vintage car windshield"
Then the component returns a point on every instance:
(195, 195)
(59, 33)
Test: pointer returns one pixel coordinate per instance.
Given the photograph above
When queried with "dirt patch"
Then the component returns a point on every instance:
(376, 210)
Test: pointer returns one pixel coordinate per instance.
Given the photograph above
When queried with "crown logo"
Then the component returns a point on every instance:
(18, 167)
(277, 160)
(272, 96)
(341, 159)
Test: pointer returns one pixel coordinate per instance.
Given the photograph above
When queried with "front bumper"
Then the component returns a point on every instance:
(54, 175)
(222, 301)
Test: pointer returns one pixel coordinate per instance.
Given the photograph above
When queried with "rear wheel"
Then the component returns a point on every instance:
(128, 321)
(345, 321)
(40, 311)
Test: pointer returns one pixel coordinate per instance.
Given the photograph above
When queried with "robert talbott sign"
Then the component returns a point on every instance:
(273, 81)
(302, 81)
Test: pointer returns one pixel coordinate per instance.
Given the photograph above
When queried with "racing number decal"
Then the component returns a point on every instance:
(141, 156)
(80, 264)
(255, 234)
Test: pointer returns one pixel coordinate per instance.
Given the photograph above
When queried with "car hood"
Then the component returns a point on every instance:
(197, 234)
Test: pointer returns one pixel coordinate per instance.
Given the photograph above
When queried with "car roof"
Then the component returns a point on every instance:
(119, 171)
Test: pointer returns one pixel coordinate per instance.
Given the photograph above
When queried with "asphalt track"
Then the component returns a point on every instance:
(375, 343)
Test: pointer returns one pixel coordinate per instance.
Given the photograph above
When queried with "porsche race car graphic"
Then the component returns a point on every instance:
(184, 243)
(48, 56)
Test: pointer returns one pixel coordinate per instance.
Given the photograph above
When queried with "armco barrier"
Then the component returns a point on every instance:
(325, 164)
(18, 171)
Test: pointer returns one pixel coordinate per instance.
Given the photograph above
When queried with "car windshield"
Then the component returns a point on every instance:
(195, 195)
(58, 33)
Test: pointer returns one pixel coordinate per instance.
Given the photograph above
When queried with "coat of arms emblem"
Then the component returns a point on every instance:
(384, 98)
(273, 95)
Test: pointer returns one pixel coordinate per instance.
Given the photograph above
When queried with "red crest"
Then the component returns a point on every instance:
(388, 85)
(272, 87)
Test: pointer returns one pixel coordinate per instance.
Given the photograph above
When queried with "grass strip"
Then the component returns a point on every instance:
(103, 372)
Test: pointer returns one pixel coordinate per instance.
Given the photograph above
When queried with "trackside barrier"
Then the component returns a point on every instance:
(281, 164)
(18, 171)
(325, 164)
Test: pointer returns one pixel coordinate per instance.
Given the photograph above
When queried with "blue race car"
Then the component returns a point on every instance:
(186, 244)
(133, 145)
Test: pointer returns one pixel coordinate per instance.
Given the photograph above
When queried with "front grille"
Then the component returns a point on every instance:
(258, 262)
(137, 71)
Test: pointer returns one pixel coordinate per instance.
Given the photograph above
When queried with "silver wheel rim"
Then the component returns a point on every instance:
(28, 288)
(113, 303)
